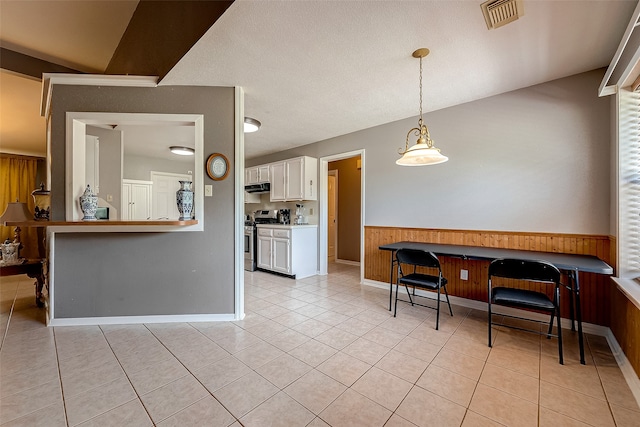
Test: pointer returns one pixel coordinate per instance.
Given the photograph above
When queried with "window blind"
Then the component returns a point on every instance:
(629, 184)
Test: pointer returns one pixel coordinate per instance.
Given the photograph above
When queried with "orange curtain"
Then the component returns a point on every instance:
(17, 181)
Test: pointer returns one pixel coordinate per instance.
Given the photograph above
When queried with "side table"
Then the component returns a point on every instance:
(33, 269)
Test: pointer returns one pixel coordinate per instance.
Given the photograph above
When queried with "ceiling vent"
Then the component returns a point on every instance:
(500, 12)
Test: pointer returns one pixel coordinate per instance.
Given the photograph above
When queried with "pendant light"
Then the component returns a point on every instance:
(423, 152)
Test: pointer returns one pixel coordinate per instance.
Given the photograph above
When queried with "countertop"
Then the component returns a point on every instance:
(289, 226)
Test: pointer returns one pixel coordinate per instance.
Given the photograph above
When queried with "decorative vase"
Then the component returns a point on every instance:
(89, 204)
(184, 200)
(42, 200)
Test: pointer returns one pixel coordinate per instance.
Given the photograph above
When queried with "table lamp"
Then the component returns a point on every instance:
(15, 212)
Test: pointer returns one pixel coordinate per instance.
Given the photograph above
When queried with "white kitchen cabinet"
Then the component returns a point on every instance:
(294, 179)
(256, 174)
(136, 199)
(288, 249)
(278, 182)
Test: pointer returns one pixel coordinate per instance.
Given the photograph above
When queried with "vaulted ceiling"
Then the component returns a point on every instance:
(313, 70)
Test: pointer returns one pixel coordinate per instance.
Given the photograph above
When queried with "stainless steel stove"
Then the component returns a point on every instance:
(251, 235)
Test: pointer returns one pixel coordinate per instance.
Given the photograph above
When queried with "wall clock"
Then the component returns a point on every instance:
(217, 167)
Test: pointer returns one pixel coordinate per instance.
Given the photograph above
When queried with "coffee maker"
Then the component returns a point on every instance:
(300, 215)
(284, 216)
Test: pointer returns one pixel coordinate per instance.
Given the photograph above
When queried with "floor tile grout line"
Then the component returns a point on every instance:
(64, 401)
(193, 375)
(6, 330)
(125, 374)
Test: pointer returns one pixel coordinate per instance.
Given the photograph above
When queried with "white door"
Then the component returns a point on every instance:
(125, 207)
(163, 194)
(140, 201)
(332, 210)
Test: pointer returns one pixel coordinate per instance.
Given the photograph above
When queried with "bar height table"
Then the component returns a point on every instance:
(571, 264)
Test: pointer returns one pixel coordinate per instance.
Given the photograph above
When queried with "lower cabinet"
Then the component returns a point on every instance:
(290, 250)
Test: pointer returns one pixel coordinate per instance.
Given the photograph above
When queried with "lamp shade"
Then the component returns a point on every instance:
(16, 212)
(421, 154)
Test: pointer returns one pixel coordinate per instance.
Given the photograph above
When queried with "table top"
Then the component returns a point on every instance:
(583, 263)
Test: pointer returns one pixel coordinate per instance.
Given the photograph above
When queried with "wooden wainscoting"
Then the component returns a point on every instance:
(625, 325)
(596, 289)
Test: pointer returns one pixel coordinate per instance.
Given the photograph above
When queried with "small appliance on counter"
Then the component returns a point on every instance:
(284, 216)
(300, 215)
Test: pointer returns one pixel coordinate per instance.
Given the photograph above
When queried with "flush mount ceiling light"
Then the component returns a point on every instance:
(182, 151)
(251, 125)
(423, 152)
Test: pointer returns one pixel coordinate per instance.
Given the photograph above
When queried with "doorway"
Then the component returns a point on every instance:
(349, 215)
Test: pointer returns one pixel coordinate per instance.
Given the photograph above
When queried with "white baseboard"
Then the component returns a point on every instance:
(120, 320)
(625, 366)
(589, 328)
(348, 262)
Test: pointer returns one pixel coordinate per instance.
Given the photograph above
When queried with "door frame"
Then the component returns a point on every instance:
(323, 203)
(333, 173)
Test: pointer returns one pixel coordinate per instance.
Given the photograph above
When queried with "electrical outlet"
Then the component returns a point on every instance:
(464, 274)
(208, 190)
(311, 211)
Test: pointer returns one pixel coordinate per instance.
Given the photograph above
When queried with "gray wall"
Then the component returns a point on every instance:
(137, 167)
(120, 274)
(110, 164)
(535, 160)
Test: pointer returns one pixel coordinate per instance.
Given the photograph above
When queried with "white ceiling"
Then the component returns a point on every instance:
(313, 70)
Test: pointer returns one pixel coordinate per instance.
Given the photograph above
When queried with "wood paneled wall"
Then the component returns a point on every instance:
(596, 289)
(625, 325)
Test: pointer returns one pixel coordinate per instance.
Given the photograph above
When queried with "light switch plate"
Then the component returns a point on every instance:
(208, 190)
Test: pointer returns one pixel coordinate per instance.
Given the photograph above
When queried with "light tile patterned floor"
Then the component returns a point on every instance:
(314, 352)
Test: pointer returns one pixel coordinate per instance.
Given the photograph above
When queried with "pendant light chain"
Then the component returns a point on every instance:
(421, 91)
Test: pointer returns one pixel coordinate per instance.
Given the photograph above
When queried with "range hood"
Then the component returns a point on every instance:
(265, 187)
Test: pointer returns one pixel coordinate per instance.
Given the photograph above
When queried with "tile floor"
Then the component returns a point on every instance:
(314, 352)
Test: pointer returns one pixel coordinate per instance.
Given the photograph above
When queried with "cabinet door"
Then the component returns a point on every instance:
(263, 173)
(125, 206)
(277, 171)
(253, 175)
(264, 252)
(281, 255)
(140, 201)
(294, 185)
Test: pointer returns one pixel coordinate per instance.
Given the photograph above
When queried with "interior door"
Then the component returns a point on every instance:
(163, 195)
(332, 209)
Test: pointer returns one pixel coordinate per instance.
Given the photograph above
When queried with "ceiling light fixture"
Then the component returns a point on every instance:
(182, 151)
(423, 152)
(251, 125)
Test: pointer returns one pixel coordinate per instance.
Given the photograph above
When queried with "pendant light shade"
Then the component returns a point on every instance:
(424, 151)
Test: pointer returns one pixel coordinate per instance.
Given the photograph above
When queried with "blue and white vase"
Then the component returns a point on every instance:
(89, 204)
(184, 200)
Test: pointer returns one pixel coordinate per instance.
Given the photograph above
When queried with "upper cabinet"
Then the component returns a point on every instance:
(294, 179)
(256, 175)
